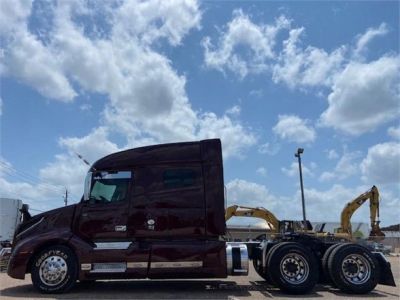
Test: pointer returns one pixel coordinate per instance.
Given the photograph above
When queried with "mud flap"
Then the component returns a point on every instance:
(386, 277)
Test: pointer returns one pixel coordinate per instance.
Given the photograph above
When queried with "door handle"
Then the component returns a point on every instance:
(120, 228)
(150, 224)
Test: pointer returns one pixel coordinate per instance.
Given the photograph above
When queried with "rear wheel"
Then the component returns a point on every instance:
(264, 273)
(327, 278)
(353, 269)
(293, 268)
(54, 270)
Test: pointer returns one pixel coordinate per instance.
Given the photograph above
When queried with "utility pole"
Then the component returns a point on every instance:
(298, 155)
(66, 197)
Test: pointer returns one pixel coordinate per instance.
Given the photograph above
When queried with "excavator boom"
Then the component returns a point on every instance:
(258, 212)
(352, 206)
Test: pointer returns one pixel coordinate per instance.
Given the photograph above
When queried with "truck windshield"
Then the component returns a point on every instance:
(108, 187)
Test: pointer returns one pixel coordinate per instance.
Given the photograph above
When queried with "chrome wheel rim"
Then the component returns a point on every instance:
(53, 270)
(356, 269)
(294, 268)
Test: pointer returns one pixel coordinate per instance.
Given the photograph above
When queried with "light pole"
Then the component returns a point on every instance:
(298, 155)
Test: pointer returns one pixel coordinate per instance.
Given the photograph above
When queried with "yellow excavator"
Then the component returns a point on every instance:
(352, 206)
(344, 231)
(258, 212)
(275, 225)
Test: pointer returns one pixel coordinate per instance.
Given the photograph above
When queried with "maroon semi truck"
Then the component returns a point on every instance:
(158, 212)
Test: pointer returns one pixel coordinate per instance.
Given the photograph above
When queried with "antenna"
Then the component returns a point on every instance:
(85, 161)
(66, 197)
(82, 158)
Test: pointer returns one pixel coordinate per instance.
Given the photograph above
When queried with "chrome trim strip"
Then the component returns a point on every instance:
(31, 227)
(120, 270)
(136, 265)
(176, 264)
(112, 245)
(86, 267)
(114, 267)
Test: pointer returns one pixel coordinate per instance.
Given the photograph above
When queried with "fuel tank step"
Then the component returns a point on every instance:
(108, 268)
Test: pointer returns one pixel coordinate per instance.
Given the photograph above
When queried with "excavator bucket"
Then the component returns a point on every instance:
(376, 234)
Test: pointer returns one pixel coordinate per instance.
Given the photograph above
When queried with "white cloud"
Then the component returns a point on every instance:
(256, 93)
(92, 146)
(25, 55)
(327, 176)
(394, 132)
(364, 96)
(234, 111)
(293, 170)
(147, 99)
(85, 107)
(269, 148)
(241, 31)
(382, 164)
(262, 171)
(346, 166)
(332, 154)
(235, 138)
(242, 192)
(305, 67)
(294, 129)
(368, 36)
(151, 20)
(13, 14)
(36, 192)
(27, 58)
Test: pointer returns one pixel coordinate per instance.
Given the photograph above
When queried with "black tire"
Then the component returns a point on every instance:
(354, 269)
(293, 268)
(54, 270)
(324, 264)
(257, 266)
(267, 275)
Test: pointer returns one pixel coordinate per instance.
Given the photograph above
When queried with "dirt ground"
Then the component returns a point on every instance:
(243, 287)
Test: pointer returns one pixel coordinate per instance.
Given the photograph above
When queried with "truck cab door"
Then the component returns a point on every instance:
(103, 215)
(102, 222)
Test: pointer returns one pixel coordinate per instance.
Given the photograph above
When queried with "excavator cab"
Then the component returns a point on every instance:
(291, 226)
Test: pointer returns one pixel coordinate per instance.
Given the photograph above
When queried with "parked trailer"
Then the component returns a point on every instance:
(9, 217)
(158, 212)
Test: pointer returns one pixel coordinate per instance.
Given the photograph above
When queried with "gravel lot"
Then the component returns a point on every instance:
(244, 287)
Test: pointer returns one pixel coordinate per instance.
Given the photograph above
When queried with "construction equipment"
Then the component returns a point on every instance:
(352, 206)
(258, 212)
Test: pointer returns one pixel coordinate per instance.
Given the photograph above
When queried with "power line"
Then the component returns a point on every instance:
(30, 179)
(36, 184)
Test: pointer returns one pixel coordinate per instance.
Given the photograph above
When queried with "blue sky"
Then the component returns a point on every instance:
(266, 77)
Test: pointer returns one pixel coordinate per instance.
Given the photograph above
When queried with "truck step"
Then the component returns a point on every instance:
(108, 268)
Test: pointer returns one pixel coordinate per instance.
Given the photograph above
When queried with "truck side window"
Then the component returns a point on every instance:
(179, 178)
(109, 187)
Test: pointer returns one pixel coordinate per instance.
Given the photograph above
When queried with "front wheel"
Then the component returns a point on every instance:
(54, 270)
